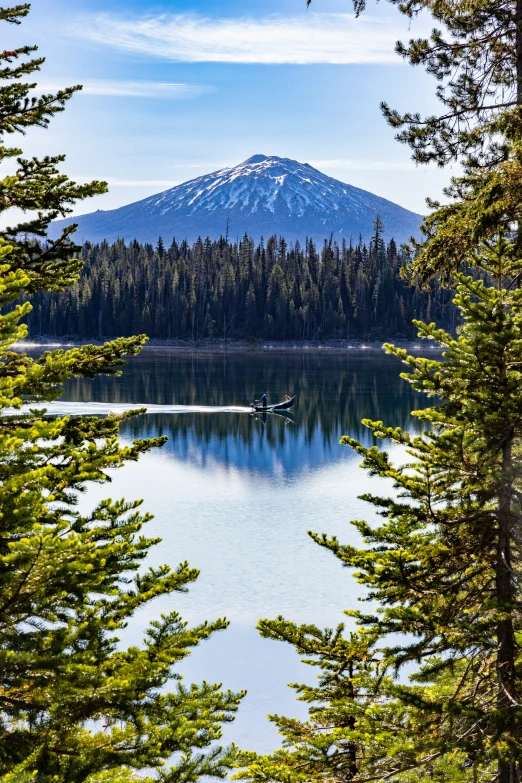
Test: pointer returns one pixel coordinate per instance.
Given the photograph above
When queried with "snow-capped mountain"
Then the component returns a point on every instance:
(262, 196)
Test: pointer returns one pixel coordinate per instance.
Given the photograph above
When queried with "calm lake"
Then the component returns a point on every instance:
(235, 494)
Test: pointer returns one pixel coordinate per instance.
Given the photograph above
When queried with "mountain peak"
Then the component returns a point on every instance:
(262, 196)
(254, 159)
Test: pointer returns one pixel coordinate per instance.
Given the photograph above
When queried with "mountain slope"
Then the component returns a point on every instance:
(261, 196)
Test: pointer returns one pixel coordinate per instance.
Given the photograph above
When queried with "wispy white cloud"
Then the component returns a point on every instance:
(131, 89)
(115, 182)
(145, 183)
(304, 39)
(353, 164)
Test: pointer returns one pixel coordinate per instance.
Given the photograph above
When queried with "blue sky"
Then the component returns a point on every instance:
(178, 89)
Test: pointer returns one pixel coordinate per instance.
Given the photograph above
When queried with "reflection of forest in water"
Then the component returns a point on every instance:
(334, 392)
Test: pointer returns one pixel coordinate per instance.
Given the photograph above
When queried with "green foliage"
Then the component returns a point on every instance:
(482, 202)
(441, 571)
(75, 704)
(218, 289)
(358, 728)
(475, 55)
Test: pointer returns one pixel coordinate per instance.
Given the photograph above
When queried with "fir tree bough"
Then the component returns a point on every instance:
(75, 705)
(443, 569)
(474, 53)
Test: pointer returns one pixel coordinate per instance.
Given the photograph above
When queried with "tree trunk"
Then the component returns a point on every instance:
(518, 52)
(505, 599)
(518, 55)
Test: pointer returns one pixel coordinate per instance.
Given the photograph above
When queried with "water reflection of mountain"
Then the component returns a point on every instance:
(334, 392)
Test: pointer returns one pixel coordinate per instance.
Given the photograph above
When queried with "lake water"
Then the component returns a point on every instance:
(235, 494)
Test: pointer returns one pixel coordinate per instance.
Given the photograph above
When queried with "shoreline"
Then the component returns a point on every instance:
(220, 346)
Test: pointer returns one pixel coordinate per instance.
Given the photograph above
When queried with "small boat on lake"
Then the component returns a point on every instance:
(280, 406)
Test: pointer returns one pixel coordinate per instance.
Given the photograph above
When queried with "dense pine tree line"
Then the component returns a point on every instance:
(240, 290)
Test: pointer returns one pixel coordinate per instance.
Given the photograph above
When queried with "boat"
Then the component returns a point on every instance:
(280, 406)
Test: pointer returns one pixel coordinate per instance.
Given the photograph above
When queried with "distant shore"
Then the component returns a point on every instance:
(213, 346)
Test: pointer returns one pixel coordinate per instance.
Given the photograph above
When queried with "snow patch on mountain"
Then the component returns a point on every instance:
(261, 182)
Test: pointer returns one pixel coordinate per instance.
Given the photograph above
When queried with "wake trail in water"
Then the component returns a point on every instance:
(73, 408)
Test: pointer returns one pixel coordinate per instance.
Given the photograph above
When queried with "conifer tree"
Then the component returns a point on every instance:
(75, 705)
(475, 55)
(443, 568)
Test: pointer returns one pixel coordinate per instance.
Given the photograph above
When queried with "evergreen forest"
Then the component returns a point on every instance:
(219, 289)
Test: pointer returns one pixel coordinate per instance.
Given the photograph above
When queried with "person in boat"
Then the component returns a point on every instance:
(287, 397)
(264, 400)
